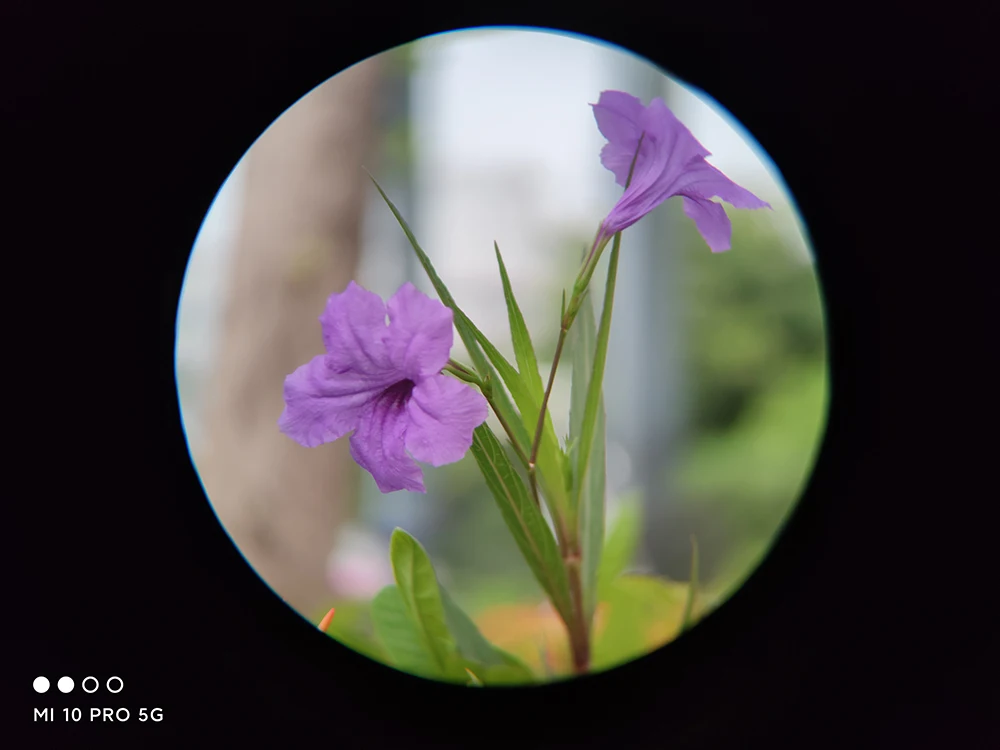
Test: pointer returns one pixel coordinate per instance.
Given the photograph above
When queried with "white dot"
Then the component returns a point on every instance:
(65, 684)
(41, 684)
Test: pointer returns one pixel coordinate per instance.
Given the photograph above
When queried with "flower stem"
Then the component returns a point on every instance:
(579, 628)
(536, 442)
(578, 625)
(463, 373)
(601, 239)
(513, 441)
(569, 315)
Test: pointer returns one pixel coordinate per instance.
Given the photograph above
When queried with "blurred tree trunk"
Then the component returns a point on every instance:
(298, 243)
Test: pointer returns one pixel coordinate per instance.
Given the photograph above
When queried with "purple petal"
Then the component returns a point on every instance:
(619, 118)
(672, 135)
(702, 180)
(354, 333)
(673, 151)
(712, 222)
(443, 412)
(645, 192)
(322, 405)
(674, 164)
(667, 149)
(420, 333)
(378, 445)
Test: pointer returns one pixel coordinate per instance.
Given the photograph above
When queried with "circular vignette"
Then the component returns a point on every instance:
(734, 343)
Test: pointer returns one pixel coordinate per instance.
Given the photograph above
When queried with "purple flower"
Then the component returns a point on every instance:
(671, 162)
(384, 382)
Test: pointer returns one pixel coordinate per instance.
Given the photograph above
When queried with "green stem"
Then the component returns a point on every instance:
(537, 441)
(569, 315)
(578, 626)
(510, 435)
(686, 619)
(600, 239)
(463, 373)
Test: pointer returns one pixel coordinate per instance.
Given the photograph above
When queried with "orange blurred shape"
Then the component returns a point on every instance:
(324, 624)
(527, 631)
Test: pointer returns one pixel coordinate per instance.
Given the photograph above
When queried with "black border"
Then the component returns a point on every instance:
(125, 129)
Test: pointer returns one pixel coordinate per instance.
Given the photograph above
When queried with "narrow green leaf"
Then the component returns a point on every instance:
(399, 636)
(421, 594)
(620, 545)
(439, 285)
(525, 521)
(550, 457)
(589, 481)
(594, 405)
(688, 619)
(523, 425)
(524, 351)
(470, 335)
(486, 358)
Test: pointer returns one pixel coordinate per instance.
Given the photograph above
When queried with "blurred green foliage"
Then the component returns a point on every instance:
(748, 314)
(755, 349)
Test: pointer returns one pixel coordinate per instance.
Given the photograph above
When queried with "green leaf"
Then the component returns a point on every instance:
(472, 644)
(469, 334)
(523, 518)
(594, 405)
(399, 636)
(620, 545)
(636, 606)
(589, 482)
(439, 285)
(688, 620)
(428, 634)
(550, 460)
(524, 351)
(492, 664)
(421, 594)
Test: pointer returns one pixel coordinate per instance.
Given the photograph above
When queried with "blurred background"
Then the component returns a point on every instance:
(716, 382)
